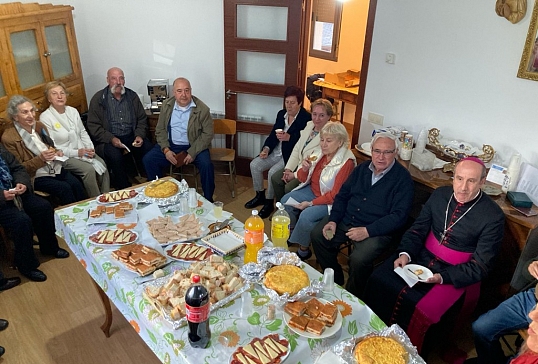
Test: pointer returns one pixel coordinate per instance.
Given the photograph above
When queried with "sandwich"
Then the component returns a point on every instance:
(328, 314)
(312, 157)
(296, 308)
(315, 327)
(299, 322)
(313, 308)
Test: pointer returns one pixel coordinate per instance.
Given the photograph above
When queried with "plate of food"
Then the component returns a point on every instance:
(315, 319)
(377, 349)
(364, 148)
(188, 252)
(139, 258)
(122, 212)
(418, 272)
(113, 237)
(116, 196)
(270, 349)
(166, 231)
(167, 294)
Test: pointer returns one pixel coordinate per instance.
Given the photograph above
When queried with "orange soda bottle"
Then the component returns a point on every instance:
(253, 237)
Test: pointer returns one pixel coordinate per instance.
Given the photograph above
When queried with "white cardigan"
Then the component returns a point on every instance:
(298, 154)
(68, 133)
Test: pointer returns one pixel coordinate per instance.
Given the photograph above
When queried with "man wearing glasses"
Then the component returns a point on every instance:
(372, 205)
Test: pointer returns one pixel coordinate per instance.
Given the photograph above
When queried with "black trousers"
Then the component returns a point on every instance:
(115, 162)
(361, 260)
(37, 215)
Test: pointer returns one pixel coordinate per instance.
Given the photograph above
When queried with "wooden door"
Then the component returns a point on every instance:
(264, 52)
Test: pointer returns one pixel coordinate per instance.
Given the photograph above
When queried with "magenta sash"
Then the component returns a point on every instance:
(441, 297)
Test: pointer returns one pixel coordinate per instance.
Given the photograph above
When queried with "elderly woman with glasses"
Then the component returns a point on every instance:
(28, 140)
(322, 173)
(68, 133)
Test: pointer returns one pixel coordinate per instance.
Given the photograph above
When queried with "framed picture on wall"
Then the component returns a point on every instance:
(528, 67)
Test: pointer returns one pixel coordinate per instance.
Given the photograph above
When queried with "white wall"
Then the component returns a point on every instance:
(456, 66)
(152, 39)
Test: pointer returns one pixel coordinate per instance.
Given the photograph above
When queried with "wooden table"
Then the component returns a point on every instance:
(240, 321)
(343, 94)
(518, 227)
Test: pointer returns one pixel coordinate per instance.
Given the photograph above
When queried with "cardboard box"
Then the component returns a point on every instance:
(344, 79)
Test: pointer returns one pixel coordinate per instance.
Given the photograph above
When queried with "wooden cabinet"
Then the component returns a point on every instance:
(38, 45)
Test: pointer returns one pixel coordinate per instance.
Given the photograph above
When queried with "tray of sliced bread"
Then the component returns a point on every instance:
(220, 277)
(139, 258)
(166, 231)
(316, 318)
(271, 349)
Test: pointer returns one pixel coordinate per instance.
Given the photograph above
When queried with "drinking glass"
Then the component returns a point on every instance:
(217, 209)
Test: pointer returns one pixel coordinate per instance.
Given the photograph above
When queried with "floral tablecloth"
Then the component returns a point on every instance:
(235, 324)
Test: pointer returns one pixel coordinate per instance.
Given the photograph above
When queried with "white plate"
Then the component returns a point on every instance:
(281, 359)
(171, 248)
(410, 268)
(115, 202)
(364, 148)
(329, 331)
(224, 242)
(113, 245)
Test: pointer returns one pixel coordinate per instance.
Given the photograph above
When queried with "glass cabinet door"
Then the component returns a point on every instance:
(27, 60)
(58, 51)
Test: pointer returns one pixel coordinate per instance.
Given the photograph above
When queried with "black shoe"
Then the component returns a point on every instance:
(8, 283)
(35, 275)
(306, 257)
(3, 324)
(61, 254)
(2, 350)
(258, 200)
(267, 209)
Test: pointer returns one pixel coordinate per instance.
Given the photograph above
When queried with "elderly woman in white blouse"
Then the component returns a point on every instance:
(68, 133)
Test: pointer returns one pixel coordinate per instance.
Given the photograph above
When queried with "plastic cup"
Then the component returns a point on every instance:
(328, 280)
(217, 209)
(193, 198)
(184, 201)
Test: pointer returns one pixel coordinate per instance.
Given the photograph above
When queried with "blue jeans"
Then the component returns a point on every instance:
(510, 315)
(303, 221)
(155, 160)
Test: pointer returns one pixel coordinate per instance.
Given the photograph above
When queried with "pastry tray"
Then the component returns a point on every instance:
(224, 242)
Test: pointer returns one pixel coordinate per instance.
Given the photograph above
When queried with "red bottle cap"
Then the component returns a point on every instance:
(195, 279)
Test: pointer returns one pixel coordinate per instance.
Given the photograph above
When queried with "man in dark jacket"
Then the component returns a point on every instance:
(372, 205)
(117, 123)
(22, 213)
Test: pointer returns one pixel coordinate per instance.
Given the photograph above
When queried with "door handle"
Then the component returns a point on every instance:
(46, 54)
(229, 94)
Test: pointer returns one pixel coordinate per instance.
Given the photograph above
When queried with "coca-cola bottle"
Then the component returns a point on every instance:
(197, 307)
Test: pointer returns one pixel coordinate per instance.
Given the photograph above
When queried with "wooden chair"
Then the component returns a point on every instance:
(185, 170)
(225, 157)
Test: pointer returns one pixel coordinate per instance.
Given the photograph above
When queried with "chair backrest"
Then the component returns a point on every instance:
(4, 124)
(224, 126)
